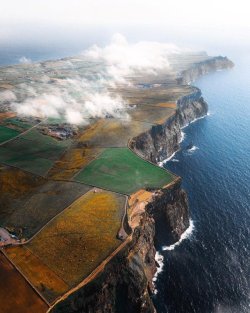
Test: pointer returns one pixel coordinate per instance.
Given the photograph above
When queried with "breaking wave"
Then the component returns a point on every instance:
(194, 148)
(182, 136)
(185, 235)
(175, 160)
(160, 261)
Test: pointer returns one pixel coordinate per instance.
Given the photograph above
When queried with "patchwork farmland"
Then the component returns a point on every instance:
(68, 194)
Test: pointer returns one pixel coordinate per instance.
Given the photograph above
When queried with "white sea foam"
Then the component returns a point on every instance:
(181, 139)
(166, 160)
(185, 235)
(198, 118)
(175, 160)
(159, 259)
(194, 148)
(172, 155)
(183, 135)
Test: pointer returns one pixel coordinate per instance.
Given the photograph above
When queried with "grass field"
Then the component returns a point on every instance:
(120, 170)
(7, 133)
(33, 152)
(16, 294)
(73, 244)
(16, 123)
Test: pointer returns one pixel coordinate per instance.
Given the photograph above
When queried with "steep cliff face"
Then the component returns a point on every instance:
(202, 68)
(125, 284)
(170, 210)
(163, 140)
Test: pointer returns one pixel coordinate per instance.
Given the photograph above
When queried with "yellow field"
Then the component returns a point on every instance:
(72, 245)
(72, 161)
(42, 277)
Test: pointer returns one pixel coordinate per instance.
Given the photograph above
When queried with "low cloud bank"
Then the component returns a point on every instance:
(78, 99)
(24, 60)
(123, 59)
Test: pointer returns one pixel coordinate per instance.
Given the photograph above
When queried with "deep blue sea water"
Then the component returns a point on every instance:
(210, 271)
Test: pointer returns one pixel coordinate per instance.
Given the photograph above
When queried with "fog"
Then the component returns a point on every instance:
(44, 29)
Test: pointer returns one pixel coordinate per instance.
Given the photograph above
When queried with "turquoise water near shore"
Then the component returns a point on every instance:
(209, 272)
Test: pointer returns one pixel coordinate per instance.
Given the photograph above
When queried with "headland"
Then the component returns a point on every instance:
(80, 205)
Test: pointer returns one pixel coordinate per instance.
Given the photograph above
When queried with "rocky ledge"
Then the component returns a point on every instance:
(126, 283)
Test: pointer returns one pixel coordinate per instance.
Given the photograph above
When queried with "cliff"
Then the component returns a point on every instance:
(161, 141)
(125, 284)
(202, 68)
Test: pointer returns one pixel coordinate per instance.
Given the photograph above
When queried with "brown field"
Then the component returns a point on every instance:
(28, 201)
(171, 105)
(6, 86)
(73, 244)
(72, 161)
(40, 275)
(4, 115)
(140, 196)
(16, 294)
(113, 132)
(151, 114)
(152, 96)
(16, 182)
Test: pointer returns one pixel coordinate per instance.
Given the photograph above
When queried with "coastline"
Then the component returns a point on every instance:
(155, 211)
(136, 262)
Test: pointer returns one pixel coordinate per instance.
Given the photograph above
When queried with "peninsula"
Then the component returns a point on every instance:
(80, 203)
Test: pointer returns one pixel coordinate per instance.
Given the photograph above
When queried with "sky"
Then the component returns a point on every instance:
(146, 32)
(216, 13)
(52, 22)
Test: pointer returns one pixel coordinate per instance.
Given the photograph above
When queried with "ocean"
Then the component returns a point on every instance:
(209, 270)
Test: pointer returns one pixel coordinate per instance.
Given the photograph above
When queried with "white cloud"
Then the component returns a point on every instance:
(77, 100)
(24, 60)
(123, 59)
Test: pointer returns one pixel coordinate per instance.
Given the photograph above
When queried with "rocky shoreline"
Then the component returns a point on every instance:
(126, 284)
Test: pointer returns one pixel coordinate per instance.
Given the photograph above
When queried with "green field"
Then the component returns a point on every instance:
(120, 170)
(7, 133)
(33, 152)
(20, 125)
